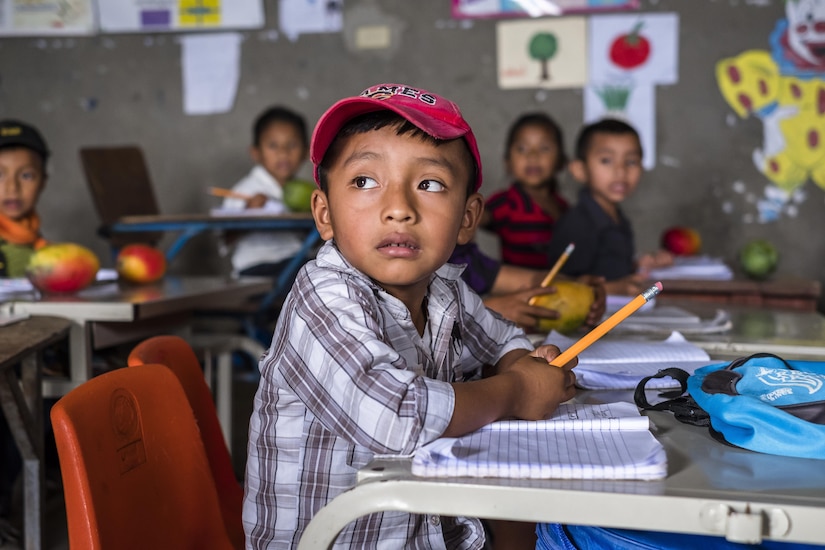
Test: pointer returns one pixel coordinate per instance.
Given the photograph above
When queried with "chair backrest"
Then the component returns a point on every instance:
(120, 185)
(175, 353)
(135, 473)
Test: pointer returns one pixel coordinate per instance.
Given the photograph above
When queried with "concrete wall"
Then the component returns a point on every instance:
(120, 89)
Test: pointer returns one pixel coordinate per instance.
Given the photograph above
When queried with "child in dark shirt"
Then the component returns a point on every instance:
(609, 166)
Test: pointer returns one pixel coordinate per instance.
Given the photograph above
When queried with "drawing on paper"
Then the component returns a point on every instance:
(542, 48)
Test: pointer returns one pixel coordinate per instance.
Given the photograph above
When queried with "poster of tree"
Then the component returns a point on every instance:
(542, 53)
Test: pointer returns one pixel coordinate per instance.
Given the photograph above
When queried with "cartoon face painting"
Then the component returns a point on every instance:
(785, 88)
(806, 30)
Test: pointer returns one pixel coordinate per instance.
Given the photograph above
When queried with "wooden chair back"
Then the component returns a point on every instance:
(119, 182)
(135, 473)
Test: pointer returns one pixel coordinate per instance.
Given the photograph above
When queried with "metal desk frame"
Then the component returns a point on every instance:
(22, 403)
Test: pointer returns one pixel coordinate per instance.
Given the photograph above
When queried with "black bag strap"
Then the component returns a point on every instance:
(742, 360)
(683, 406)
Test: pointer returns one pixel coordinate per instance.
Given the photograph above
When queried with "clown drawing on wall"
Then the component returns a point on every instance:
(785, 88)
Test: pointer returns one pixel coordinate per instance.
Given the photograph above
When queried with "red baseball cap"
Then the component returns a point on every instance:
(433, 114)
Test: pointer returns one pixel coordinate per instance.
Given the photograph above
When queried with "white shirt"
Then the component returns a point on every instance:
(261, 247)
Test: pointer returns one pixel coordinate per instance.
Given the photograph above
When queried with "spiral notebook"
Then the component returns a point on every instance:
(612, 364)
(580, 441)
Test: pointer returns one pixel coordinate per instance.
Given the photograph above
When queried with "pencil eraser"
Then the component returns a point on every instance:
(659, 285)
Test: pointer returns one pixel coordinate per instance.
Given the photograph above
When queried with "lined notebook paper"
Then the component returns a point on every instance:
(581, 441)
(664, 319)
(621, 364)
(693, 267)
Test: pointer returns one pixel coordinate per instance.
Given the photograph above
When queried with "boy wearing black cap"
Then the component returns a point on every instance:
(23, 155)
(379, 346)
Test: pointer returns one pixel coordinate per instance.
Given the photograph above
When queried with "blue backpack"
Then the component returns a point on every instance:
(761, 402)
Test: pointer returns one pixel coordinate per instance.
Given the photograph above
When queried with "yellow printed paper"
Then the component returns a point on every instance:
(200, 13)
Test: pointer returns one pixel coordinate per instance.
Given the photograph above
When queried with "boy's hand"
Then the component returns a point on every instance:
(543, 387)
(526, 386)
(626, 286)
(256, 201)
(594, 316)
(515, 307)
(660, 258)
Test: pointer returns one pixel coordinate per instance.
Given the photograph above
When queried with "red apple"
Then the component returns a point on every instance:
(681, 241)
(62, 267)
(140, 263)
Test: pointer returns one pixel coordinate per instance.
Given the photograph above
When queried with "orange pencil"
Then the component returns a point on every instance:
(227, 193)
(554, 270)
(602, 328)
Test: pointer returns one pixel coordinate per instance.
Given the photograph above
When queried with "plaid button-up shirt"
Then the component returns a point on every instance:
(347, 377)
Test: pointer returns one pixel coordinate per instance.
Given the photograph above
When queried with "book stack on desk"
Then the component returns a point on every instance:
(611, 364)
(580, 441)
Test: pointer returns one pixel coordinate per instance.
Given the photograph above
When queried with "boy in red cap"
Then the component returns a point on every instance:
(380, 345)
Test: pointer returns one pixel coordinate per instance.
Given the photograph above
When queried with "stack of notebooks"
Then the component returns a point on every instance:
(694, 267)
(621, 364)
(656, 318)
(580, 441)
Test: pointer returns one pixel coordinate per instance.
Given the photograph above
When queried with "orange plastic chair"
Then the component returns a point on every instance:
(135, 473)
(177, 354)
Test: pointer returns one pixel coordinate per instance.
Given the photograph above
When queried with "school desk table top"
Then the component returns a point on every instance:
(190, 225)
(777, 292)
(107, 314)
(710, 489)
(790, 333)
(21, 400)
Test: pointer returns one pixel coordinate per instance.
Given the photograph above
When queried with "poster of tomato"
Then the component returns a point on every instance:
(641, 47)
(628, 56)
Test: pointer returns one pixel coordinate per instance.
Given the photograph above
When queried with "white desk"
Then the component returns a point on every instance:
(711, 489)
(108, 314)
(788, 333)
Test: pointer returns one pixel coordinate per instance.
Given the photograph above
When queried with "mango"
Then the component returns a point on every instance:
(140, 263)
(62, 268)
(681, 241)
(572, 300)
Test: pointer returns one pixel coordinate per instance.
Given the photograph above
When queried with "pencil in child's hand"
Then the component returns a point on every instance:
(227, 193)
(554, 270)
(602, 328)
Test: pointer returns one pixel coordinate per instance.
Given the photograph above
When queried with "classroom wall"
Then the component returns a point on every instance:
(126, 89)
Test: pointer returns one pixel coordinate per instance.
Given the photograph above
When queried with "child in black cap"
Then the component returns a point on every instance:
(23, 156)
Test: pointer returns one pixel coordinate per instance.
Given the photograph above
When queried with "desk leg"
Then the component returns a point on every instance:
(80, 362)
(223, 397)
(22, 405)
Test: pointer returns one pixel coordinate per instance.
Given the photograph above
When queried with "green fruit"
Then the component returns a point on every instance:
(572, 300)
(298, 195)
(758, 259)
